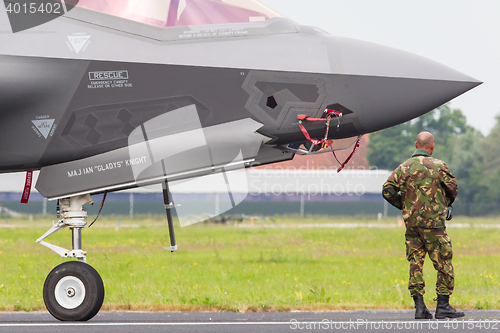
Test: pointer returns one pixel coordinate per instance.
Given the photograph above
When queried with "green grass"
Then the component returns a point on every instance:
(226, 268)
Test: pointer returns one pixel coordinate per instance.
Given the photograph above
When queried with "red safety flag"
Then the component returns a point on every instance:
(356, 146)
(334, 112)
(316, 142)
(27, 187)
(327, 143)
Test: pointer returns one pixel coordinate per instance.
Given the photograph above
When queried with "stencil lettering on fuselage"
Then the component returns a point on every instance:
(78, 42)
(43, 127)
(109, 79)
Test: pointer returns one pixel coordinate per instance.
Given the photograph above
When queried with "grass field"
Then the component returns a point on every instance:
(250, 268)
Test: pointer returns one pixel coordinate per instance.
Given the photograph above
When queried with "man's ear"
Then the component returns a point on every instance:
(416, 146)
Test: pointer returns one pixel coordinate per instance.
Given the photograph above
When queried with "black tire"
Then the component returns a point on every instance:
(73, 291)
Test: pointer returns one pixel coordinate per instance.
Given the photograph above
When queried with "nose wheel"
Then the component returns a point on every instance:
(73, 291)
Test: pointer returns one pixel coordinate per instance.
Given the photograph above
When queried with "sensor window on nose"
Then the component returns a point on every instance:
(271, 102)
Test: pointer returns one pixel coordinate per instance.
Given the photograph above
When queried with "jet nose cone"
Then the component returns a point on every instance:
(365, 58)
(393, 86)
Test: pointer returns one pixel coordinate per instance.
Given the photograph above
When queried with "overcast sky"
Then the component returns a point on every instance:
(462, 34)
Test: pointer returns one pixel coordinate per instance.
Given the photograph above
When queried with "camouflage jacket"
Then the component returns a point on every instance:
(422, 188)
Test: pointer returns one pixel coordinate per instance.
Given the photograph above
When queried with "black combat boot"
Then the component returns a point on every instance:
(445, 310)
(421, 311)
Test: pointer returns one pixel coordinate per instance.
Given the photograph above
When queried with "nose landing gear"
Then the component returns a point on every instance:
(73, 291)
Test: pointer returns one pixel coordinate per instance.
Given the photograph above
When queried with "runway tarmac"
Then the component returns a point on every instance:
(338, 321)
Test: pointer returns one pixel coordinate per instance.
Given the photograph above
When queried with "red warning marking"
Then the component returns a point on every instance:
(27, 187)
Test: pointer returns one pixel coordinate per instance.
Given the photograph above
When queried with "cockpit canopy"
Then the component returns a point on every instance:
(171, 13)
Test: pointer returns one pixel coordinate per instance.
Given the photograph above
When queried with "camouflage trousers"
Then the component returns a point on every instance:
(437, 244)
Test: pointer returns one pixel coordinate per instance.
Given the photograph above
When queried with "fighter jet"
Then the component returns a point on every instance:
(102, 96)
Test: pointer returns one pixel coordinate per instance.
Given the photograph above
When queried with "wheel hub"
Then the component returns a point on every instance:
(70, 292)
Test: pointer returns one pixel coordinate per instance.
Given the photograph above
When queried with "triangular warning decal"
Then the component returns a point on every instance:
(78, 42)
(44, 126)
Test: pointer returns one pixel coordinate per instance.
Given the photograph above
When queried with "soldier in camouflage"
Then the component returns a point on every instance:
(423, 188)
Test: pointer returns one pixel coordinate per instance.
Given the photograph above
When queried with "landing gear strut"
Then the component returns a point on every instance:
(73, 290)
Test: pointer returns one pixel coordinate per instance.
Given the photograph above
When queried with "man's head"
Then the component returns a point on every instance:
(425, 141)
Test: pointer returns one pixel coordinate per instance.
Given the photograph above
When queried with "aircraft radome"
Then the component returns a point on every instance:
(103, 96)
